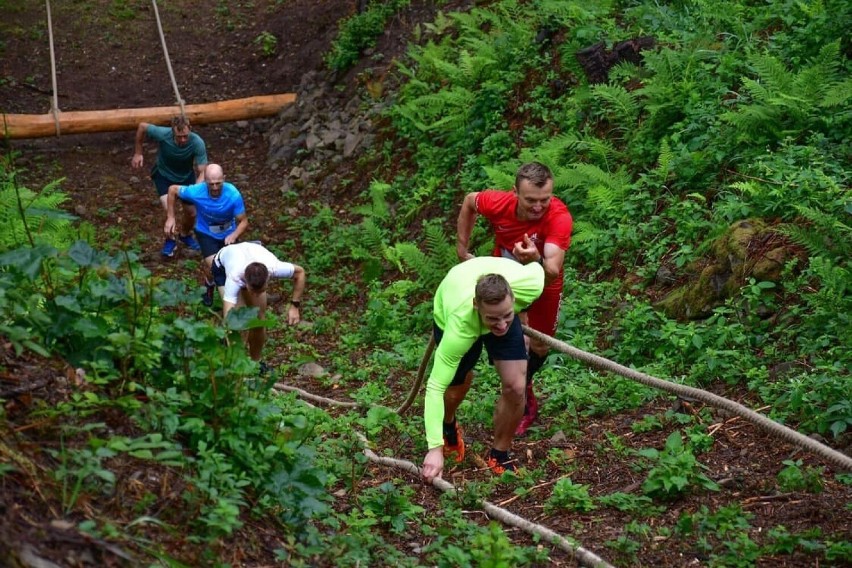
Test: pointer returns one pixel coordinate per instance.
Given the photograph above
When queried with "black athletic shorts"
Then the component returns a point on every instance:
(162, 183)
(508, 347)
(209, 245)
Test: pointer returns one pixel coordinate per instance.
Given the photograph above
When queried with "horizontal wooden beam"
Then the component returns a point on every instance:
(89, 121)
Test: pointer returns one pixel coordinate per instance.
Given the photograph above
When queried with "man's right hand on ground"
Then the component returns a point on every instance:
(433, 464)
(137, 161)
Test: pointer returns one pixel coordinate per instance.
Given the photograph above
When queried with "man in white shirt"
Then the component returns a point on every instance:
(242, 272)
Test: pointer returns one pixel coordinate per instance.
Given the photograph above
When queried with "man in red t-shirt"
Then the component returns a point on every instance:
(530, 225)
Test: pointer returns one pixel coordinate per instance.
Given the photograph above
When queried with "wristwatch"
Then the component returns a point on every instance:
(296, 303)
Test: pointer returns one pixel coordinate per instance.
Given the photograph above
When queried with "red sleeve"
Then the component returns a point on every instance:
(488, 202)
(560, 225)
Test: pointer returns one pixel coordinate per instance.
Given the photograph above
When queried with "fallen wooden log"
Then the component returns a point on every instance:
(89, 121)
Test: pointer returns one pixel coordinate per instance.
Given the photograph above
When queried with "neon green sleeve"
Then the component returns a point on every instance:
(455, 314)
(455, 343)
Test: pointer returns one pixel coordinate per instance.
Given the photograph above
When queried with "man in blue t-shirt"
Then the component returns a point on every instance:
(181, 159)
(220, 220)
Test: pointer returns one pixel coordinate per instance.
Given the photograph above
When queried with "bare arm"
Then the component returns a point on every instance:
(299, 277)
(170, 210)
(199, 172)
(242, 225)
(551, 260)
(464, 226)
(226, 307)
(138, 158)
(554, 257)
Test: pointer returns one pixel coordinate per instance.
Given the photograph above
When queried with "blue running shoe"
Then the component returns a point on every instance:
(169, 248)
(190, 241)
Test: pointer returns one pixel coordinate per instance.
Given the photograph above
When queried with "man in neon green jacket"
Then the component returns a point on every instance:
(477, 304)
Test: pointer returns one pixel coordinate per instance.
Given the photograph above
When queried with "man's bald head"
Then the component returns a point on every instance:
(213, 170)
(215, 179)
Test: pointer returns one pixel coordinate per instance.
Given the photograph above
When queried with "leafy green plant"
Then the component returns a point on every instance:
(675, 470)
(794, 477)
(569, 495)
(359, 32)
(390, 505)
(648, 423)
(83, 469)
(267, 42)
(639, 505)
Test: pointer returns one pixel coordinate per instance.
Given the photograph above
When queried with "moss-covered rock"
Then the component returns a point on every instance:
(736, 258)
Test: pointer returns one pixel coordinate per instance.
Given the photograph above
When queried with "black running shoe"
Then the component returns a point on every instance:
(207, 298)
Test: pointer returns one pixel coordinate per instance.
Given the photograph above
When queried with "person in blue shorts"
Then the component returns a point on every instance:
(181, 159)
(220, 220)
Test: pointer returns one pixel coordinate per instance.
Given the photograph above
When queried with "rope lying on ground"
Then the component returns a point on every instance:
(583, 556)
(578, 553)
(421, 372)
(841, 461)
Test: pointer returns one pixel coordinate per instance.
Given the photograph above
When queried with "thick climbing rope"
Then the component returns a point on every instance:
(578, 553)
(838, 459)
(180, 101)
(841, 461)
(581, 555)
(54, 104)
(421, 373)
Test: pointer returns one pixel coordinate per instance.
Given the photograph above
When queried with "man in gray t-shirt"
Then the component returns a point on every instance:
(181, 159)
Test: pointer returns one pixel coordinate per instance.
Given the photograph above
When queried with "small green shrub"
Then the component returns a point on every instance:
(675, 470)
(359, 32)
(796, 478)
(569, 495)
(267, 43)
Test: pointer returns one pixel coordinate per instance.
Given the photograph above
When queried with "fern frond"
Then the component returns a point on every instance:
(47, 223)
(618, 180)
(367, 238)
(837, 94)
(585, 232)
(474, 68)
(664, 161)
(603, 198)
(431, 266)
(622, 102)
(501, 177)
(599, 148)
(827, 236)
(773, 73)
(441, 251)
(570, 12)
(553, 150)
(404, 256)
